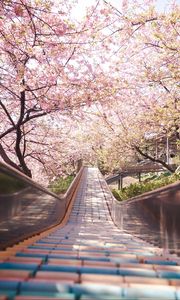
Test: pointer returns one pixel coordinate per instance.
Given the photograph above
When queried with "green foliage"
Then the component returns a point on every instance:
(117, 194)
(9, 184)
(148, 178)
(152, 176)
(136, 189)
(178, 171)
(60, 185)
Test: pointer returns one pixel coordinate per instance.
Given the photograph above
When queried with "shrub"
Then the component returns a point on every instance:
(116, 194)
(135, 189)
(61, 184)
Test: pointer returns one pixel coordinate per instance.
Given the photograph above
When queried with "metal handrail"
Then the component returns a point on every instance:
(152, 216)
(32, 209)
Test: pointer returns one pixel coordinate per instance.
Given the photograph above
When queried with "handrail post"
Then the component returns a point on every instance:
(120, 182)
(79, 164)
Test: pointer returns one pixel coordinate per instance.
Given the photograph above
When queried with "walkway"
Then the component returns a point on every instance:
(88, 258)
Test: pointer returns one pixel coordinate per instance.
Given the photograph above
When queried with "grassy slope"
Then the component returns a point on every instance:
(61, 185)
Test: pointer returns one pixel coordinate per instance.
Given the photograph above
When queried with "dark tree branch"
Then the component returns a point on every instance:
(11, 92)
(28, 118)
(70, 57)
(153, 159)
(7, 113)
(32, 22)
(145, 21)
(24, 142)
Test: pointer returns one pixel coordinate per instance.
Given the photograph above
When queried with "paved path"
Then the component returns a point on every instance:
(89, 258)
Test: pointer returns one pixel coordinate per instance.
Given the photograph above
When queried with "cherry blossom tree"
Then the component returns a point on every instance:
(145, 77)
(113, 76)
(41, 70)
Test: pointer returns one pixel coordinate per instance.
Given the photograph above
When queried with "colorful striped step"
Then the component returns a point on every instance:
(88, 258)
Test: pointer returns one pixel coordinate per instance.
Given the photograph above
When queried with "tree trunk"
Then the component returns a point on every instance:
(19, 154)
(7, 160)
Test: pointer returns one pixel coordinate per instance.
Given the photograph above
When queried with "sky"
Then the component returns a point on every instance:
(80, 9)
(161, 4)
